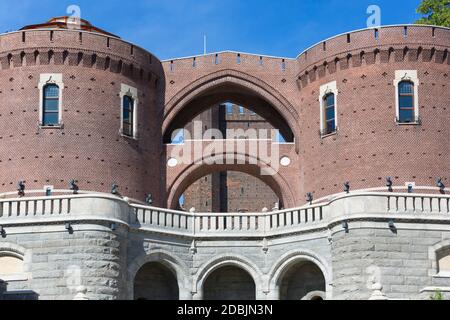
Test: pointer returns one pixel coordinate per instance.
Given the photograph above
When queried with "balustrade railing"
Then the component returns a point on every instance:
(66, 207)
(34, 207)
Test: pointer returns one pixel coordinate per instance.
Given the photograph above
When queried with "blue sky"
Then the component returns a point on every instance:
(175, 28)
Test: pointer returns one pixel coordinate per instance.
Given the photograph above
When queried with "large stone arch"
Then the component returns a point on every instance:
(227, 260)
(238, 87)
(174, 264)
(283, 265)
(191, 173)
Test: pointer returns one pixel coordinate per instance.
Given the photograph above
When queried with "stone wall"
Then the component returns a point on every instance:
(58, 262)
(402, 260)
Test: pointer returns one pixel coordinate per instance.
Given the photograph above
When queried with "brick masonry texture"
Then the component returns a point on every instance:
(368, 147)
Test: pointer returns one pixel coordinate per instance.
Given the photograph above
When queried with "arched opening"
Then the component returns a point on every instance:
(443, 261)
(217, 98)
(276, 183)
(154, 281)
(303, 281)
(229, 283)
(10, 264)
(229, 191)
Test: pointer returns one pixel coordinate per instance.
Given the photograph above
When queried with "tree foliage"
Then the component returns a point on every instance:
(435, 12)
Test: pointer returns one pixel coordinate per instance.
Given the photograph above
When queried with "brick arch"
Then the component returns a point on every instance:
(235, 86)
(193, 172)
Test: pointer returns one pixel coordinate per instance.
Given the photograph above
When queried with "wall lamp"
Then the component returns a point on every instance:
(389, 184)
(345, 226)
(115, 189)
(69, 227)
(440, 184)
(21, 188)
(310, 198)
(392, 226)
(2, 232)
(149, 199)
(410, 188)
(347, 187)
(73, 186)
(113, 226)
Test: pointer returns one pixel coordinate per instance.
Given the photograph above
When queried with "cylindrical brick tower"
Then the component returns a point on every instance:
(93, 70)
(363, 69)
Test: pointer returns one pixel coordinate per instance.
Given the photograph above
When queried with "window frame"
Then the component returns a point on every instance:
(410, 76)
(325, 91)
(46, 80)
(130, 122)
(132, 93)
(326, 108)
(45, 111)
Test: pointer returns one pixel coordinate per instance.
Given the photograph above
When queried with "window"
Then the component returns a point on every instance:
(129, 111)
(406, 86)
(328, 109)
(128, 116)
(10, 264)
(51, 106)
(241, 111)
(330, 113)
(230, 109)
(444, 263)
(50, 101)
(406, 102)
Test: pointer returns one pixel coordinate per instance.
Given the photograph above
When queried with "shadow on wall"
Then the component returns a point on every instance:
(16, 295)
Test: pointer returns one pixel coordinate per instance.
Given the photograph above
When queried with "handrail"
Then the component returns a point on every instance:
(209, 225)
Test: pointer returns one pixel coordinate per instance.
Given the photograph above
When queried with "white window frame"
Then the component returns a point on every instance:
(45, 79)
(132, 92)
(325, 90)
(407, 75)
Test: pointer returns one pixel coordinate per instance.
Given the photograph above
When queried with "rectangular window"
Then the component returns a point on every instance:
(330, 114)
(51, 105)
(128, 116)
(406, 102)
(230, 109)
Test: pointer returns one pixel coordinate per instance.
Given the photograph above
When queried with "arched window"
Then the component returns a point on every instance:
(128, 116)
(406, 102)
(50, 115)
(329, 113)
(443, 257)
(10, 264)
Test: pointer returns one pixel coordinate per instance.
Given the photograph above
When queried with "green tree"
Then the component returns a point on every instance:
(435, 12)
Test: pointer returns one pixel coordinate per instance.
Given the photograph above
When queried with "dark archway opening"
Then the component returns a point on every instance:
(302, 279)
(218, 99)
(229, 283)
(155, 281)
(230, 191)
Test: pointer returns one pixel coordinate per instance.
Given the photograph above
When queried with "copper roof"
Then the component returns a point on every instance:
(68, 23)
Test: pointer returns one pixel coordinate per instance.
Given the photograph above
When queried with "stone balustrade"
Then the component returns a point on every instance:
(103, 207)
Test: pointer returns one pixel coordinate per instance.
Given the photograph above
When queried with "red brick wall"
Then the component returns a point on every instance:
(89, 147)
(230, 191)
(368, 147)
